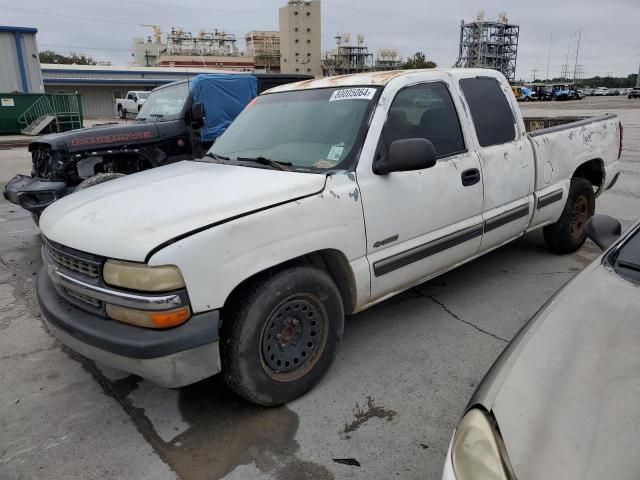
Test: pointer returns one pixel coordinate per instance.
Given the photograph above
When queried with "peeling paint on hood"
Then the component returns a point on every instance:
(128, 217)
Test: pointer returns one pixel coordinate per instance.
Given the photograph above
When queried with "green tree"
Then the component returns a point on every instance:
(49, 56)
(418, 60)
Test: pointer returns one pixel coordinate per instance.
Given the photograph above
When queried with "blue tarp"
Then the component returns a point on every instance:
(224, 96)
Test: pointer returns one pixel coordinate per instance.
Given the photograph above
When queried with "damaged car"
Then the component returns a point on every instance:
(178, 121)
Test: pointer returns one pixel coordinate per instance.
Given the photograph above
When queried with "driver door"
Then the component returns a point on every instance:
(419, 223)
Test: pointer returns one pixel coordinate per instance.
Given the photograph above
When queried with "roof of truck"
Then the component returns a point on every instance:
(373, 78)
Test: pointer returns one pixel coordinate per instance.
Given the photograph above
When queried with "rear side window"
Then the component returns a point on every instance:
(492, 115)
(425, 111)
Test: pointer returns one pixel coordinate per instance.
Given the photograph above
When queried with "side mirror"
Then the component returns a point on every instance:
(407, 155)
(603, 230)
(197, 115)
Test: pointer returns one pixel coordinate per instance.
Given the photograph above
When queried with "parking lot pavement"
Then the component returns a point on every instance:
(385, 410)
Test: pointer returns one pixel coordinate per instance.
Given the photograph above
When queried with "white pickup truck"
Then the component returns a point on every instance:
(322, 199)
(131, 104)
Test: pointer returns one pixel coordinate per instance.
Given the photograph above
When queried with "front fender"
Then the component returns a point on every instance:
(215, 261)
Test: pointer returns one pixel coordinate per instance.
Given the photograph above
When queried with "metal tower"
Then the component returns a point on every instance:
(489, 44)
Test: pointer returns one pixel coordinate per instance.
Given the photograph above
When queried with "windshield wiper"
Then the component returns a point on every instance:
(157, 115)
(628, 265)
(284, 166)
(216, 156)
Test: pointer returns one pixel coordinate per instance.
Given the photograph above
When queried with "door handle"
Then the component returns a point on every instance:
(470, 177)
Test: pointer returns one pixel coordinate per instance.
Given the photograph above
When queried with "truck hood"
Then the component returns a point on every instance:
(568, 405)
(127, 218)
(100, 137)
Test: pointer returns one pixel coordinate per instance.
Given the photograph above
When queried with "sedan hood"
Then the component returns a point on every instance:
(128, 217)
(568, 405)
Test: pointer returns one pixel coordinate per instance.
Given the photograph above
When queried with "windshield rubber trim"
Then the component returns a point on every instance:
(228, 220)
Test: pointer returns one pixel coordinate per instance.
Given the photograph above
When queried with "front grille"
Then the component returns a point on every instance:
(83, 298)
(73, 262)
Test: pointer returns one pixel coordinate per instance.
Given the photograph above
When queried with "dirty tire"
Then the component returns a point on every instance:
(96, 180)
(569, 233)
(295, 313)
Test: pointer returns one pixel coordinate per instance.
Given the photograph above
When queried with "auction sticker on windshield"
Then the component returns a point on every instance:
(335, 153)
(353, 94)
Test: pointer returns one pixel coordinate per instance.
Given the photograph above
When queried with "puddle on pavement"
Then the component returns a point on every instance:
(224, 432)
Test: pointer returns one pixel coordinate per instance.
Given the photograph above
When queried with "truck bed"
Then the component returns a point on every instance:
(533, 124)
(561, 145)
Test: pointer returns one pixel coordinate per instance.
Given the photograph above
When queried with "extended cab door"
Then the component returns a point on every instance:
(422, 222)
(506, 158)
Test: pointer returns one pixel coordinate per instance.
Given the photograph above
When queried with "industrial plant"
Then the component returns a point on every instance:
(294, 48)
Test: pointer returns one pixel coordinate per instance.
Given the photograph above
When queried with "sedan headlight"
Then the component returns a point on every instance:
(142, 277)
(477, 451)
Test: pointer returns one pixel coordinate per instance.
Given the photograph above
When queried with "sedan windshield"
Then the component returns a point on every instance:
(164, 103)
(309, 130)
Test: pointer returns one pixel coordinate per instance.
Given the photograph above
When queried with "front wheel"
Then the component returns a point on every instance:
(281, 334)
(569, 233)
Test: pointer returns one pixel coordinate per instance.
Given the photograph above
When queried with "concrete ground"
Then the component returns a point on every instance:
(386, 409)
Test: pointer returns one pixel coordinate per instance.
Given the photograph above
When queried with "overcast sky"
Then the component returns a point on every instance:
(105, 29)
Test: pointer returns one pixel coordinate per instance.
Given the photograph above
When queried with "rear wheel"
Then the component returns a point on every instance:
(281, 335)
(96, 180)
(121, 112)
(569, 233)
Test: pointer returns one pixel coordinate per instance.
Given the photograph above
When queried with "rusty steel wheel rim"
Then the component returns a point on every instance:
(579, 217)
(294, 337)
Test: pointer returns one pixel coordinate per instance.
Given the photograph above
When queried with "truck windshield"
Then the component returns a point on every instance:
(311, 130)
(164, 104)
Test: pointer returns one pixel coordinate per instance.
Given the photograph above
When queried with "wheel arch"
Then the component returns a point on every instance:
(333, 262)
(592, 170)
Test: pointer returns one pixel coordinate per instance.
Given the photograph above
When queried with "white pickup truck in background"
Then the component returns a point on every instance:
(322, 199)
(131, 104)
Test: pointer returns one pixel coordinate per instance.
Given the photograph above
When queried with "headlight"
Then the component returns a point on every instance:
(142, 277)
(477, 452)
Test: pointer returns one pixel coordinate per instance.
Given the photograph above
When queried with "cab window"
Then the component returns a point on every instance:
(425, 111)
(490, 110)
